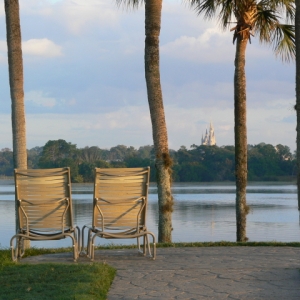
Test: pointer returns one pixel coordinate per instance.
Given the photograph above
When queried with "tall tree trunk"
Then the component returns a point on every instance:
(15, 65)
(240, 131)
(159, 129)
(297, 107)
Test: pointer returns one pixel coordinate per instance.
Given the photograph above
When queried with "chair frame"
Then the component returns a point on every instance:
(104, 219)
(44, 208)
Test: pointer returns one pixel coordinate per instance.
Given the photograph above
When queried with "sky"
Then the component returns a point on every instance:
(84, 78)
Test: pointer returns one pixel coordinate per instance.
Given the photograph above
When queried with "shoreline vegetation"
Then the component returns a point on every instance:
(197, 164)
(276, 179)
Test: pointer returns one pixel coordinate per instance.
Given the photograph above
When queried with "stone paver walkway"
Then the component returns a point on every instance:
(267, 273)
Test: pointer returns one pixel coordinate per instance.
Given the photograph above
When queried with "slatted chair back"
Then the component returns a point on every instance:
(44, 198)
(120, 198)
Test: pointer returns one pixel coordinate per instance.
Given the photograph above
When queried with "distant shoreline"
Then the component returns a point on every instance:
(291, 180)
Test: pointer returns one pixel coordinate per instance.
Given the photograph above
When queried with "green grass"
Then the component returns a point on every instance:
(53, 281)
(230, 244)
(208, 244)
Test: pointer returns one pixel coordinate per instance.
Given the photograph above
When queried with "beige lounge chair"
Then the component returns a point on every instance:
(119, 208)
(44, 208)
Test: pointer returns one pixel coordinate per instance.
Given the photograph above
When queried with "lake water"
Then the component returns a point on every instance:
(202, 212)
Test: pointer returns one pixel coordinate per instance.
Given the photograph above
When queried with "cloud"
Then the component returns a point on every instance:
(289, 119)
(72, 16)
(272, 125)
(2, 11)
(200, 94)
(6, 132)
(100, 129)
(130, 126)
(119, 119)
(274, 94)
(204, 48)
(34, 47)
(36, 7)
(41, 47)
(3, 52)
(213, 45)
(3, 46)
(38, 98)
(81, 15)
(177, 16)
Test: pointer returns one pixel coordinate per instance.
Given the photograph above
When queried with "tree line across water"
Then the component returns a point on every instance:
(199, 163)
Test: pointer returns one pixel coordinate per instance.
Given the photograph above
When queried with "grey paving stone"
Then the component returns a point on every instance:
(240, 273)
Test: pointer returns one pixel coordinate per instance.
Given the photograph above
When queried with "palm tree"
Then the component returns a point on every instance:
(15, 64)
(252, 17)
(163, 161)
(297, 106)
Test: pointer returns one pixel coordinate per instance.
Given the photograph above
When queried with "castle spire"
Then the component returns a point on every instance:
(209, 138)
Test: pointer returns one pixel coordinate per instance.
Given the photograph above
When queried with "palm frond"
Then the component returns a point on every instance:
(207, 7)
(227, 12)
(265, 22)
(283, 38)
(129, 3)
(290, 10)
(286, 7)
(262, 17)
(222, 9)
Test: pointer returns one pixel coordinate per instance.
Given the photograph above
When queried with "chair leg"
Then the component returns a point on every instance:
(20, 247)
(75, 253)
(82, 251)
(76, 242)
(138, 244)
(89, 243)
(14, 250)
(18, 250)
(154, 246)
(92, 247)
(75, 246)
(140, 251)
(145, 241)
(78, 238)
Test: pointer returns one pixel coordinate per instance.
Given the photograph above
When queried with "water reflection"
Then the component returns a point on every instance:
(201, 213)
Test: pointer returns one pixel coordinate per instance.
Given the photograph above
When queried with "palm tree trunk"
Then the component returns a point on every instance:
(240, 131)
(297, 107)
(15, 65)
(159, 128)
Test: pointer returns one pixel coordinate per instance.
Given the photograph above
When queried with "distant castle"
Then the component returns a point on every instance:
(209, 138)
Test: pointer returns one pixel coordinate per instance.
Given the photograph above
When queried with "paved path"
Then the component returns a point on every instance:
(267, 273)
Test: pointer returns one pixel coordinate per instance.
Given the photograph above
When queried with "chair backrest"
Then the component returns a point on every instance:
(120, 198)
(44, 199)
